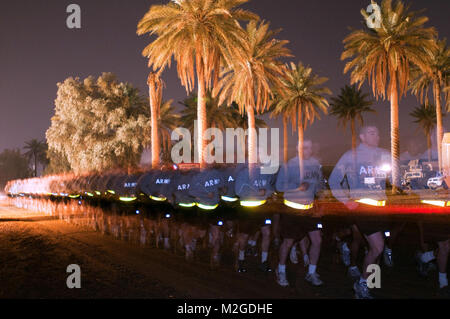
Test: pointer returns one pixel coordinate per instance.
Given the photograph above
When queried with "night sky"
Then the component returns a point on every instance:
(37, 51)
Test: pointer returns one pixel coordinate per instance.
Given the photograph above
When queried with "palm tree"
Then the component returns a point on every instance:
(36, 151)
(349, 106)
(425, 116)
(301, 98)
(383, 56)
(250, 79)
(225, 120)
(285, 117)
(437, 77)
(155, 87)
(200, 35)
(230, 117)
(167, 122)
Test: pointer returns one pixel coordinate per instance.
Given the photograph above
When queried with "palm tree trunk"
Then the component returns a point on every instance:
(353, 144)
(35, 165)
(300, 143)
(154, 121)
(285, 139)
(439, 129)
(353, 136)
(395, 145)
(252, 140)
(428, 135)
(201, 111)
(243, 147)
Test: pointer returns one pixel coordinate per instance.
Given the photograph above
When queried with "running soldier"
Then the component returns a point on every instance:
(301, 216)
(359, 181)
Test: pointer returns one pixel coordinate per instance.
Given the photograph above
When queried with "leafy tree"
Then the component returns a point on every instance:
(13, 165)
(99, 124)
(57, 163)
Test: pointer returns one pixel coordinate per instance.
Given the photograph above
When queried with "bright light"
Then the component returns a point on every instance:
(250, 203)
(439, 203)
(298, 206)
(229, 199)
(268, 222)
(320, 226)
(387, 234)
(220, 223)
(167, 215)
(138, 212)
(372, 202)
(386, 168)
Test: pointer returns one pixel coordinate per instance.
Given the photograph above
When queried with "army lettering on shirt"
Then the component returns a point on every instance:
(212, 182)
(183, 187)
(160, 181)
(365, 175)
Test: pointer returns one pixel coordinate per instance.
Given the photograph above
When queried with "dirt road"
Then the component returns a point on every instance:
(35, 251)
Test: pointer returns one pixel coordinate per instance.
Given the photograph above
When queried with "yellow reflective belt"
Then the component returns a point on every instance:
(98, 193)
(111, 192)
(127, 199)
(74, 196)
(252, 203)
(207, 207)
(158, 199)
(187, 205)
(372, 202)
(439, 203)
(298, 206)
(89, 194)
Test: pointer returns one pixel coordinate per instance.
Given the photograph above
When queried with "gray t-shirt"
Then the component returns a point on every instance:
(363, 178)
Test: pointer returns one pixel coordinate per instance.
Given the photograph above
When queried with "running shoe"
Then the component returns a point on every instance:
(345, 253)
(387, 257)
(314, 279)
(281, 278)
(421, 266)
(444, 292)
(353, 272)
(241, 268)
(264, 267)
(361, 290)
(293, 255)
